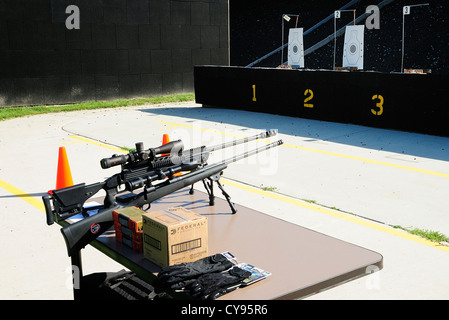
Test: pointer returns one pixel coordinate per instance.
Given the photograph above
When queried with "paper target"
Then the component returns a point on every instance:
(296, 48)
(353, 48)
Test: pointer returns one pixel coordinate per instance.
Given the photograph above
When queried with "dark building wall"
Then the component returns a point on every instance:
(256, 30)
(406, 102)
(123, 48)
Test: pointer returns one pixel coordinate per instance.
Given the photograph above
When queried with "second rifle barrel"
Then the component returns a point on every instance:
(252, 152)
(262, 135)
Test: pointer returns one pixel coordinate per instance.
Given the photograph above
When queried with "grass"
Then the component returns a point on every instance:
(16, 112)
(271, 189)
(431, 235)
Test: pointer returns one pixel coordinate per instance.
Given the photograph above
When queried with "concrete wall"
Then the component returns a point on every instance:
(408, 102)
(122, 49)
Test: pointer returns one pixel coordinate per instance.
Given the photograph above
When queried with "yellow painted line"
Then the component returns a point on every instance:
(202, 129)
(97, 143)
(39, 205)
(336, 214)
(329, 153)
(309, 206)
(22, 195)
(323, 210)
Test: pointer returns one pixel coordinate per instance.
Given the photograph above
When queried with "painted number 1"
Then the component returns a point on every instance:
(254, 92)
(309, 96)
(379, 104)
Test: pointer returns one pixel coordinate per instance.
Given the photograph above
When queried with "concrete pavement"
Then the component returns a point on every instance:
(349, 182)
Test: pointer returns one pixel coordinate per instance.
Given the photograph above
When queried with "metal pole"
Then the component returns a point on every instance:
(335, 29)
(77, 274)
(282, 54)
(335, 37)
(286, 17)
(403, 28)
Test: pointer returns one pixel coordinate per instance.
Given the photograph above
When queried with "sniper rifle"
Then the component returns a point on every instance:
(140, 169)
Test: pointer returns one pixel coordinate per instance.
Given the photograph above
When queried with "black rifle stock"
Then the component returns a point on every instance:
(81, 233)
(139, 170)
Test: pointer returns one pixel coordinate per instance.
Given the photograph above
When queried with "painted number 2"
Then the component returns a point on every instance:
(309, 96)
(379, 104)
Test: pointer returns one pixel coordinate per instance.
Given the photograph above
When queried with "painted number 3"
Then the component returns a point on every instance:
(379, 104)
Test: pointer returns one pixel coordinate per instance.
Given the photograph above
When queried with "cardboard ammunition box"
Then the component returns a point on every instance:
(173, 236)
(128, 224)
(124, 237)
(130, 217)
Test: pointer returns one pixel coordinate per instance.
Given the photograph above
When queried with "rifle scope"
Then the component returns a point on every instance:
(140, 154)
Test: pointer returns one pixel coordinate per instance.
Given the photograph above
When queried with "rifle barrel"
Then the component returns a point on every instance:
(252, 152)
(261, 135)
(201, 154)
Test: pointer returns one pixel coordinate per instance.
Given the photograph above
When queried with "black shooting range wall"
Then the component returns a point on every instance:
(123, 49)
(408, 102)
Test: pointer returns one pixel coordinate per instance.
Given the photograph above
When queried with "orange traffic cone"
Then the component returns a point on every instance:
(64, 175)
(166, 139)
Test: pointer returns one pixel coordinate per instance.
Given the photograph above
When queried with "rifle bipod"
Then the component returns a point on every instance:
(209, 186)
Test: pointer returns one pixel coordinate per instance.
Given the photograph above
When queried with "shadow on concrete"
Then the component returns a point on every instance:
(400, 142)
